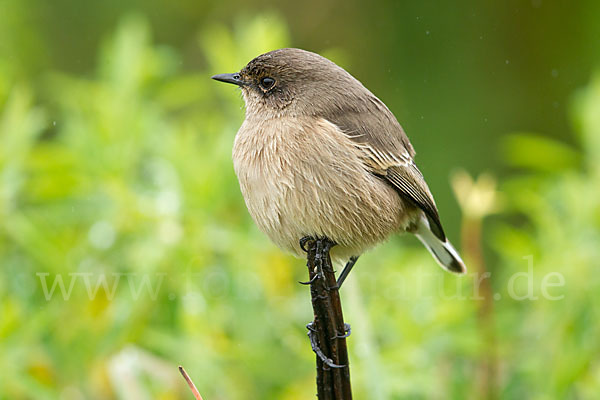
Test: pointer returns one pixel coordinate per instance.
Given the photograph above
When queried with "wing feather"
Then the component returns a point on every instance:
(410, 184)
(388, 153)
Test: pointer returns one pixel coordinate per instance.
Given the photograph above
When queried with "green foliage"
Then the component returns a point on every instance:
(123, 178)
(561, 234)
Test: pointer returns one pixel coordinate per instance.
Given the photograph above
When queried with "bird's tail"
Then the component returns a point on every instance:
(443, 251)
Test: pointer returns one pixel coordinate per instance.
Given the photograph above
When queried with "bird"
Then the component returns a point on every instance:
(319, 155)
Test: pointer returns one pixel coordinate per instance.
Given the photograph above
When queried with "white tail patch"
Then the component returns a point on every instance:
(443, 252)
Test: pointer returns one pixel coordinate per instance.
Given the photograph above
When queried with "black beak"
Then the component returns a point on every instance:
(235, 78)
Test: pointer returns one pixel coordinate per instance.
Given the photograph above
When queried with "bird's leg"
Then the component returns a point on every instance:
(304, 241)
(322, 251)
(346, 271)
(323, 245)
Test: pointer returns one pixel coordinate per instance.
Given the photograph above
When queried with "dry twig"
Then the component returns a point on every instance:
(190, 383)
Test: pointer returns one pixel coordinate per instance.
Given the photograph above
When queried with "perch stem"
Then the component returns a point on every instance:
(328, 330)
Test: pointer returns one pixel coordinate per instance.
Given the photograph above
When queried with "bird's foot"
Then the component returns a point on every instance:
(323, 244)
(347, 332)
(315, 347)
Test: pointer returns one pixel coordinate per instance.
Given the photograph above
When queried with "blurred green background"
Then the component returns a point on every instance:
(126, 249)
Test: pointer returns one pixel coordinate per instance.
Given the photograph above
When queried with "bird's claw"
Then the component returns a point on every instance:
(347, 332)
(303, 242)
(314, 278)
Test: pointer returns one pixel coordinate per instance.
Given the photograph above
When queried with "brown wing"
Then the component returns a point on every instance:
(410, 184)
(388, 153)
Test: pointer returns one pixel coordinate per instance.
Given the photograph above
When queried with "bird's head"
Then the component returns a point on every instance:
(292, 82)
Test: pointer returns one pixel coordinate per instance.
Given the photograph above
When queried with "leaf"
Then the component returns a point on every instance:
(533, 151)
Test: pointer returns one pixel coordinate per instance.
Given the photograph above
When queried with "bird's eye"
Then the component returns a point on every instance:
(267, 83)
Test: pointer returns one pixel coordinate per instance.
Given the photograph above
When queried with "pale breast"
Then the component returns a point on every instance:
(304, 177)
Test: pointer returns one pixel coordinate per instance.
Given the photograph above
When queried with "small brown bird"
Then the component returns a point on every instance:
(319, 155)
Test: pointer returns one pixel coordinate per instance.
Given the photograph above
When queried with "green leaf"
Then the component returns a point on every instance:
(533, 151)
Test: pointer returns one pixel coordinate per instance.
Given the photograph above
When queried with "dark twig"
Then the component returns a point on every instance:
(328, 331)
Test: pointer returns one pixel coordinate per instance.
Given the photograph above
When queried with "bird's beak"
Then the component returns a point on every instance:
(234, 78)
